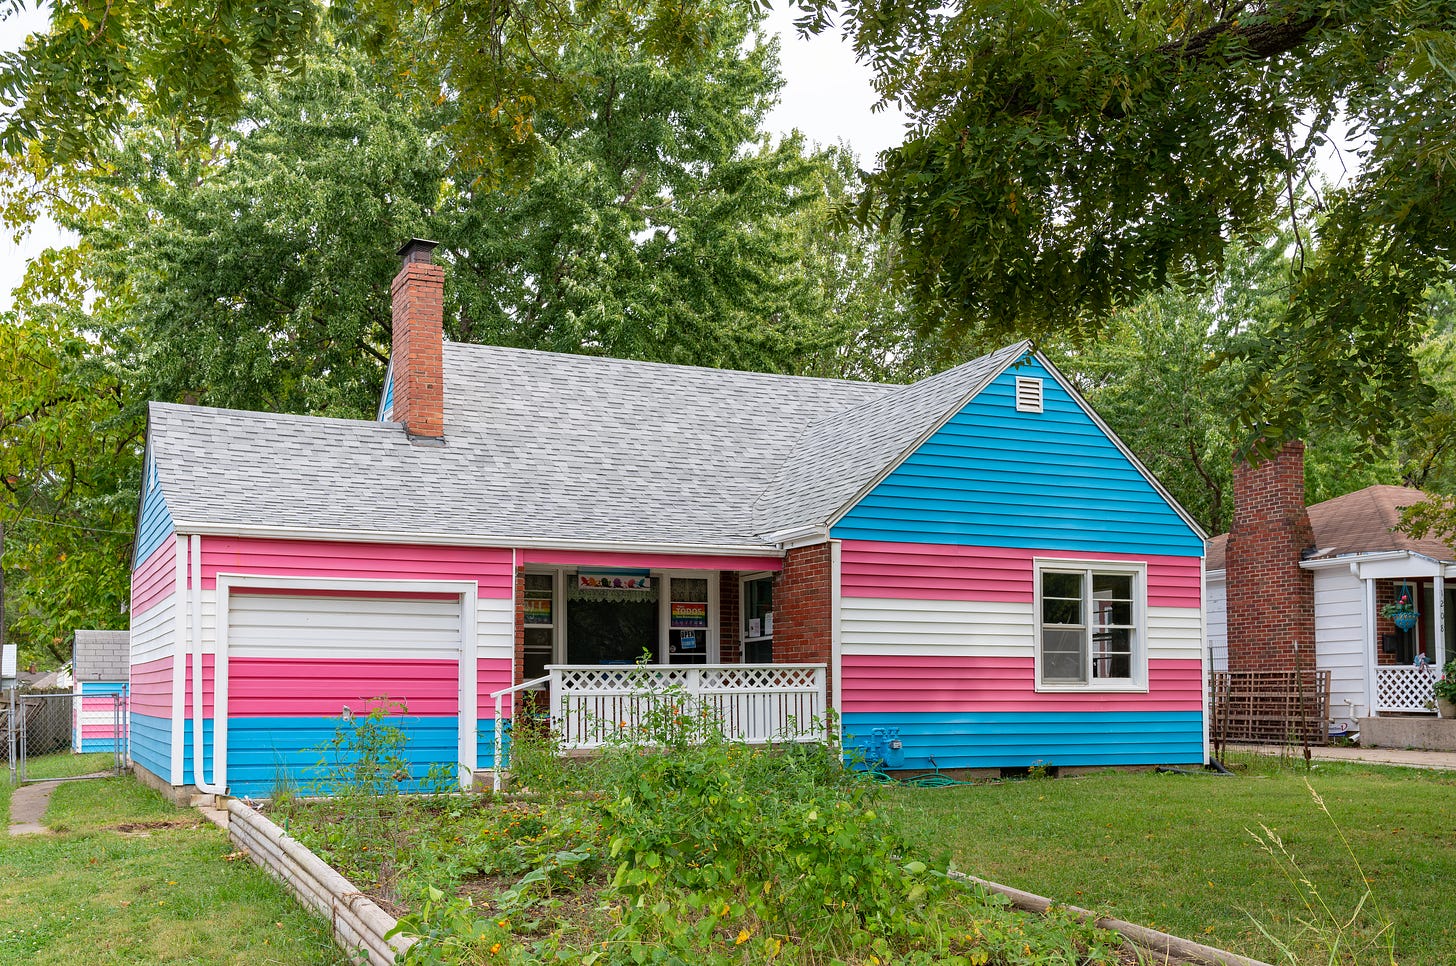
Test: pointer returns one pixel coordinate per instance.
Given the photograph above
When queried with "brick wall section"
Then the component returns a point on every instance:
(1270, 598)
(802, 608)
(730, 644)
(418, 345)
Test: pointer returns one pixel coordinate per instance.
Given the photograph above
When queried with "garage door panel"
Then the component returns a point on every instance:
(263, 750)
(263, 626)
(320, 686)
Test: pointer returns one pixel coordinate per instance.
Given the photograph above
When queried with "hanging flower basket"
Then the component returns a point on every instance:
(1401, 613)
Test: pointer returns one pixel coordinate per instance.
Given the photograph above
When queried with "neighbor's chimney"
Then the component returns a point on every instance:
(418, 351)
(1270, 597)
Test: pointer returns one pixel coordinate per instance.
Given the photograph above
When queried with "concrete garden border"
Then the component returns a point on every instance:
(1166, 948)
(358, 922)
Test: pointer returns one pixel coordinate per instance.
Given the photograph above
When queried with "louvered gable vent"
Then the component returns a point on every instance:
(1028, 395)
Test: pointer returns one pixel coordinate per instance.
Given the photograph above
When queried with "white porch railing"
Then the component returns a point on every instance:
(754, 703)
(1405, 688)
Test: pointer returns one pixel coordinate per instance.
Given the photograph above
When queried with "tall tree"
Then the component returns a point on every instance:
(1068, 158)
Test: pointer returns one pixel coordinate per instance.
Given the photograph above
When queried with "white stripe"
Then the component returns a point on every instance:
(958, 628)
(1175, 633)
(151, 633)
(495, 622)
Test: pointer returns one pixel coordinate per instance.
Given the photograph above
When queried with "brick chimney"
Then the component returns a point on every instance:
(417, 355)
(1270, 599)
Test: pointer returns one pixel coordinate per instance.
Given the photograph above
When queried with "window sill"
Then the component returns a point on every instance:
(1132, 687)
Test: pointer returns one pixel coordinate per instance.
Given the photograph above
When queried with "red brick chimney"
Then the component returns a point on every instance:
(417, 355)
(1270, 599)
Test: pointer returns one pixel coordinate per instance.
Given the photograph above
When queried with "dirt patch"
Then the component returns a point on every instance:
(145, 828)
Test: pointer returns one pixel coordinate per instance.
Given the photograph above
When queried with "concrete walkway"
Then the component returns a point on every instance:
(28, 804)
(1438, 760)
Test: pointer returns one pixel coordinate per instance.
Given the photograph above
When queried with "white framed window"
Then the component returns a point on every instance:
(1090, 626)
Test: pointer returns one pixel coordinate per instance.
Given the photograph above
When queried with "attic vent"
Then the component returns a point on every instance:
(1028, 395)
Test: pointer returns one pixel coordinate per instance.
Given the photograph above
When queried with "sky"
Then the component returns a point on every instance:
(826, 95)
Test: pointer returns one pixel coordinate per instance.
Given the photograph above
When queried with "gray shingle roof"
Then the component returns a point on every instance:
(101, 655)
(547, 447)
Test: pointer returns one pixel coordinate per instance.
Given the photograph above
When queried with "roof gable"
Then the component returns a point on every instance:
(995, 476)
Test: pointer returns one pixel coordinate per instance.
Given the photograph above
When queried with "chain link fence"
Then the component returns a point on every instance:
(64, 734)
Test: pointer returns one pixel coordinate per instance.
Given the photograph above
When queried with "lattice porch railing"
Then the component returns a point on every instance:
(1405, 688)
(754, 703)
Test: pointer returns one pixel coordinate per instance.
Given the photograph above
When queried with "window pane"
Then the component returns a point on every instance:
(1061, 656)
(538, 582)
(1112, 586)
(1055, 610)
(1061, 585)
(1112, 654)
(1107, 612)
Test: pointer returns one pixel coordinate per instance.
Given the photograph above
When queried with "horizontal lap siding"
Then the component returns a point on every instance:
(1019, 740)
(1217, 617)
(156, 578)
(655, 561)
(295, 661)
(151, 741)
(952, 572)
(154, 522)
(994, 477)
(264, 752)
(489, 566)
(95, 724)
(1339, 632)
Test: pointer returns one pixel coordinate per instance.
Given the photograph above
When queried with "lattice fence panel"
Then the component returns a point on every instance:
(1405, 688)
(1270, 706)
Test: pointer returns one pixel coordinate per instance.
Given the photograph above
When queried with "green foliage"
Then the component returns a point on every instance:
(69, 457)
(1445, 688)
(1067, 159)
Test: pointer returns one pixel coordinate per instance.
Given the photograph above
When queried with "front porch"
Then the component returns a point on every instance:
(1411, 635)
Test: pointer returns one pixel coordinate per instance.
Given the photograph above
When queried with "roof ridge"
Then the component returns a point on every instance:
(651, 364)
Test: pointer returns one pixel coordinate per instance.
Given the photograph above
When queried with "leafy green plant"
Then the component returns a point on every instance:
(1445, 689)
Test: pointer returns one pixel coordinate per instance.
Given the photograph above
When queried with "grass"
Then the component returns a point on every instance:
(1177, 852)
(67, 765)
(129, 878)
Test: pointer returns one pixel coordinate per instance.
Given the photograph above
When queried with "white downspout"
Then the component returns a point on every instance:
(207, 788)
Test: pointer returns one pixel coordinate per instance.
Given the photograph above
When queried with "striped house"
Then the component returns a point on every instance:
(98, 679)
(971, 570)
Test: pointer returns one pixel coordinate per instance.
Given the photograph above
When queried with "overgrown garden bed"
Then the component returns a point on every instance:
(671, 847)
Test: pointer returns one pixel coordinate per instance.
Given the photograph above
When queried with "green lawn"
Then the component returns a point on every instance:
(128, 878)
(67, 765)
(1176, 852)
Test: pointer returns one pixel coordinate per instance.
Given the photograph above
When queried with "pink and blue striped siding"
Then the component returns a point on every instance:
(947, 542)
(97, 728)
(283, 711)
(153, 585)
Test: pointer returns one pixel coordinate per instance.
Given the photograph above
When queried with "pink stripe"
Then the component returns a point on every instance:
(156, 578)
(492, 675)
(260, 687)
(100, 703)
(658, 561)
(489, 566)
(98, 731)
(151, 688)
(893, 683)
(208, 663)
(925, 571)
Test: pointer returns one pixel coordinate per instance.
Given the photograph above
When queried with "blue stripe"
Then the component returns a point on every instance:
(151, 744)
(1019, 740)
(94, 745)
(99, 688)
(266, 752)
(155, 521)
(188, 777)
(388, 403)
(485, 744)
(994, 477)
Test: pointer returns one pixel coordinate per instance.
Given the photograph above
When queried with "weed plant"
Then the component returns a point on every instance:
(704, 851)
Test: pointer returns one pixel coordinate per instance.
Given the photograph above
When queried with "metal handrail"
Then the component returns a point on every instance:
(499, 742)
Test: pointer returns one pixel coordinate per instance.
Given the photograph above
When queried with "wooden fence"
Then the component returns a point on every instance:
(1270, 707)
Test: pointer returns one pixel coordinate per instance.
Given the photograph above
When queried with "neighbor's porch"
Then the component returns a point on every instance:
(1411, 639)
